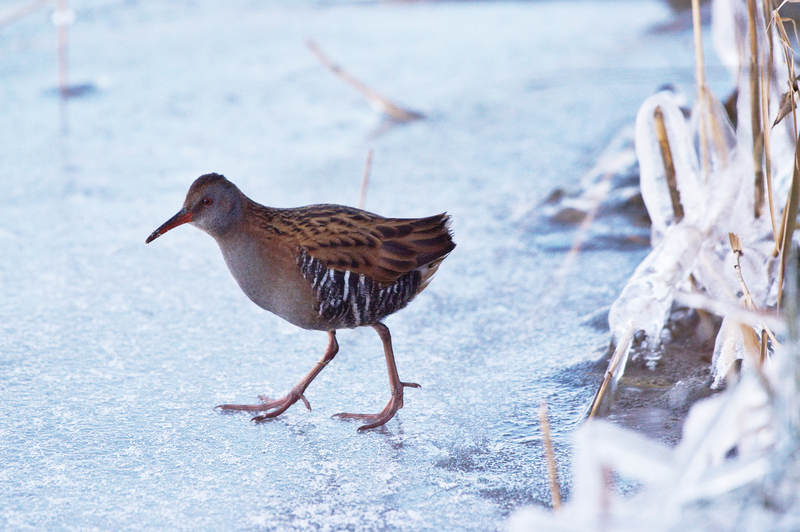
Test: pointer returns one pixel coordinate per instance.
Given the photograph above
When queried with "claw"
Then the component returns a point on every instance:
(305, 401)
(388, 412)
(278, 406)
(243, 408)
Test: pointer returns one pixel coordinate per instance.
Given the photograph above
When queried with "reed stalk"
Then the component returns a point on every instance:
(702, 89)
(669, 164)
(362, 196)
(621, 350)
(377, 101)
(755, 109)
(63, 81)
(552, 472)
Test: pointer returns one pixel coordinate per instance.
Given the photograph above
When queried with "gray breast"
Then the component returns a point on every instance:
(253, 271)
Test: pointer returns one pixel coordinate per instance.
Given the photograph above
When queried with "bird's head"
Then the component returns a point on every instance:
(213, 204)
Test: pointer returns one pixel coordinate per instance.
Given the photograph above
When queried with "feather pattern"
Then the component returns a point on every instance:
(383, 249)
(361, 266)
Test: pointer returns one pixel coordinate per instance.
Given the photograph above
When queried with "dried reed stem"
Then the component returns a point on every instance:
(788, 54)
(22, 12)
(736, 246)
(734, 311)
(766, 74)
(669, 165)
(702, 90)
(790, 210)
(755, 109)
(790, 215)
(622, 348)
(362, 196)
(768, 159)
(377, 101)
(552, 472)
(779, 243)
(63, 82)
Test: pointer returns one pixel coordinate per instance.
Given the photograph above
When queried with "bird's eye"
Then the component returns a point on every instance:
(206, 201)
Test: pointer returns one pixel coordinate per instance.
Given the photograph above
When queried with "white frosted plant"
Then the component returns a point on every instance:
(737, 467)
(713, 195)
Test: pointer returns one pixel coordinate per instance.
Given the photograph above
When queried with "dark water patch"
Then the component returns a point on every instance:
(656, 401)
(74, 91)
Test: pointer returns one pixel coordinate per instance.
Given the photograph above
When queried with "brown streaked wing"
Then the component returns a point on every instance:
(384, 249)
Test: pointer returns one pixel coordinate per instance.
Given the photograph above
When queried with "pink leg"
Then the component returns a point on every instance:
(279, 406)
(395, 385)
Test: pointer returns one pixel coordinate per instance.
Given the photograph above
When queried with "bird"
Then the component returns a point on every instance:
(320, 267)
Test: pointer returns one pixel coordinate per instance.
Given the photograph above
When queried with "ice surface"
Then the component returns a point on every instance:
(113, 353)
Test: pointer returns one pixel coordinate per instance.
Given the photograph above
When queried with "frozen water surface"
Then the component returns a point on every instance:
(113, 353)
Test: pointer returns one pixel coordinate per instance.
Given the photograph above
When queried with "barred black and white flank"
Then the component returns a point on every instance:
(349, 300)
(363, 267)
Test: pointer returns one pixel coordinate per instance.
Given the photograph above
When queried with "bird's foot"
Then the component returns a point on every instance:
(277, 406)
(388, 412)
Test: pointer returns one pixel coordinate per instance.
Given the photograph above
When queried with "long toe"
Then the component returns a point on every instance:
(266, 416)
(285, 403)
(375, 424)
(395, 404)
(345, 415)
(244, 408)
(278, 406)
